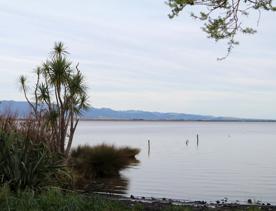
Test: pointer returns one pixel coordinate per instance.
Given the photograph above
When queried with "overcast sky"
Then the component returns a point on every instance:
(135, 57)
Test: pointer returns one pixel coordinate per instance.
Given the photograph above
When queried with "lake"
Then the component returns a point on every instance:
(236, 160)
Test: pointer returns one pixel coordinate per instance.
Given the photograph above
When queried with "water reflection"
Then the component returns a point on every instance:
(187, 142)
(117, 185)
(217, 168)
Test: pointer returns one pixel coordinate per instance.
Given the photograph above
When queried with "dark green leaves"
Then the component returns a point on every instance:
(24, 164)
(60, 96)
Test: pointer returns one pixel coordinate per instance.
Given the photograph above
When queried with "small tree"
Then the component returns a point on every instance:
(58, 99)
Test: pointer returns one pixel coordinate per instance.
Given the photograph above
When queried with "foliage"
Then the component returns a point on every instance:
(25, 161)
(27, 128)
(59, 97)
(128, 152)
(24, 164)
(101, 160)
(223, 18)
(54, 199)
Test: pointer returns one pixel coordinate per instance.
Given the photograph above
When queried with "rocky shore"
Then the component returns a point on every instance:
(157, 204)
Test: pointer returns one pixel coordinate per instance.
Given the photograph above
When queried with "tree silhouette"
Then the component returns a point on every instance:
(58, 99)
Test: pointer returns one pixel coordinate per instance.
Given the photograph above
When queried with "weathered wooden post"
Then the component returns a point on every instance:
(148, 147)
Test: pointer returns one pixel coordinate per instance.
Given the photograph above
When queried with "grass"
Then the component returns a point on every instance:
(53, 200)
(101, 161)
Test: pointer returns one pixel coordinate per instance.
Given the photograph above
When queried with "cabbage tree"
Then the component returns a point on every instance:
(58, 98)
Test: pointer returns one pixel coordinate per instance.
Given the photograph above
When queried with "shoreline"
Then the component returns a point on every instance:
(142, 120)
(151, 203)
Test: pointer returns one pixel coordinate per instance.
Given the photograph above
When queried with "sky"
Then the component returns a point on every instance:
(134, 57)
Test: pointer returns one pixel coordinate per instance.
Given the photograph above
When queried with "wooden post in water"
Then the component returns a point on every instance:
(197, 139)
(148, 147)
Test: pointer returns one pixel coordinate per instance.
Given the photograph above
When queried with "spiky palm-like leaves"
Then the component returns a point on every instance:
(59, 97)
(28, 165)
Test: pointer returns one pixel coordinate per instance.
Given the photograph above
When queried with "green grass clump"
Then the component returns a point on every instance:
(53, 200)
(102, 160)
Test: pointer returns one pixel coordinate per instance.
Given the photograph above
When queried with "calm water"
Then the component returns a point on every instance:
(233, 160)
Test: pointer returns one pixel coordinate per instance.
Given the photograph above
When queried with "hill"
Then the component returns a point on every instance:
(22, 109)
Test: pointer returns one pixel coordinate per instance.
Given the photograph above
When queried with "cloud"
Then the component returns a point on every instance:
(134, 56)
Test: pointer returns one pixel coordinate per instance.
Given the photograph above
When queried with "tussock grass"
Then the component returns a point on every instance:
(128, 152)
(102, 160)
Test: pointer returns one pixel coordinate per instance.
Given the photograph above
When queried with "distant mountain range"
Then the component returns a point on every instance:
(22, 109)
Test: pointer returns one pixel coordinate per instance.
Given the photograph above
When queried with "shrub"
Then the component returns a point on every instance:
(28, 129)
(24, 164)
(101, 161)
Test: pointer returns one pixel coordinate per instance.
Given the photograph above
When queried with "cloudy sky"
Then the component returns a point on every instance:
(135, 57)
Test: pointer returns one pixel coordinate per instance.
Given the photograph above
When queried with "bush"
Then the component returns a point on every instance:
(24, 164)
(27, 158)
(28, 129)
(101, 161)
